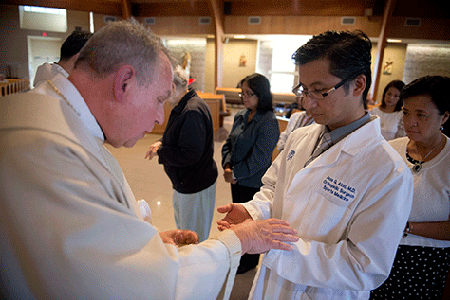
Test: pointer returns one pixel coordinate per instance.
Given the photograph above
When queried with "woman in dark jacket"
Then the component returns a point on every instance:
(247, 152)
(186, 151)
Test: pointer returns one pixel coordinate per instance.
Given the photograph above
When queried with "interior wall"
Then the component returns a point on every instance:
(13, 39)
(232, 52)
(13, 45)
(424, 60)
(77, 18)
(394, 61)
(99, 20)
(42, 50)
(432, 29)
(46, 48)
(306, 25)
(429, 29)
(210, 63)
(185, 25)
(394, 53)
(197, 66)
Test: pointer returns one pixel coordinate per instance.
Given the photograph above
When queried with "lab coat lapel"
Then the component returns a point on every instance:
(298, 150)
(327, 158)
(351, 144)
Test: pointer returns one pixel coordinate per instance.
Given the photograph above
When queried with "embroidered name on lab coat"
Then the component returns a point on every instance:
(339, 189)
(290, 155)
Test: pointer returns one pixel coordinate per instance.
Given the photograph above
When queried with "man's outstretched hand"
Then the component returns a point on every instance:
(235, 214)
(262, 236)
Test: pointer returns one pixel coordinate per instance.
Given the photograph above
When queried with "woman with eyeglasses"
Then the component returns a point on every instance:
(422, 262)
(390, 111)
(247, 152)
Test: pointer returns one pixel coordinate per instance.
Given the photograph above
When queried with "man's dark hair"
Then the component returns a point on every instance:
(348, 54)
(398, 84)
(73, 44)
(260, 85)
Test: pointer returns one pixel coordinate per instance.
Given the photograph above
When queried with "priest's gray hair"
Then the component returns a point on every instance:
(123, 42)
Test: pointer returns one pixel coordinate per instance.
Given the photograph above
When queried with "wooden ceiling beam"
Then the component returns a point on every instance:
(126, 9)
(296, 8)
(378, 63)
(216, 8)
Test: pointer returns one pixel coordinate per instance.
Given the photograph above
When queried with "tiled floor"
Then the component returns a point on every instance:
(148, 181)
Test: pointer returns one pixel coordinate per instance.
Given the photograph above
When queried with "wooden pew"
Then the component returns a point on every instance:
(14, 86)
(215, 103)
(231, 94)
(283, 98)
(282, 123)
(214, 106)
(223, 111)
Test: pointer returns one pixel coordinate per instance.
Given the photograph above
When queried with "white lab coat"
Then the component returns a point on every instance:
(298, 119)
(350, 207)
(69, 228)
(48, 71)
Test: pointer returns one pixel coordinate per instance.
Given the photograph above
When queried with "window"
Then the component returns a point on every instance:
(283, 67)
(91, 22)
(43, 18)
(45, 10)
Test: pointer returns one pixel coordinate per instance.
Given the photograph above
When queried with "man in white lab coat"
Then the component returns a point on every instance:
(337, 182)
(69, 54)
(70, 227)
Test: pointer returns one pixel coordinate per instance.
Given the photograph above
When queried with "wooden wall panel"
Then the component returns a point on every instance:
(214, 106)
(307, 25)
(304, 8)
(430, 29)
(186, 25)
(161, 9)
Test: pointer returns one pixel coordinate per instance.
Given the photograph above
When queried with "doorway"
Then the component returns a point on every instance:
(41, 50)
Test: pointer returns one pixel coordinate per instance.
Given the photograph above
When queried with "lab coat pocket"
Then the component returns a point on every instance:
(329, 215)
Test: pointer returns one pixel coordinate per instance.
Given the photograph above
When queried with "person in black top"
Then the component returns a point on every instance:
(186, 151)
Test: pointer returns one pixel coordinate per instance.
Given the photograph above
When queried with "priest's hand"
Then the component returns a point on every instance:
(262, 236)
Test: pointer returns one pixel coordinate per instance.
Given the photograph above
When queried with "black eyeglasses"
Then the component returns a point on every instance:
(246, 95)
(317, 95)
